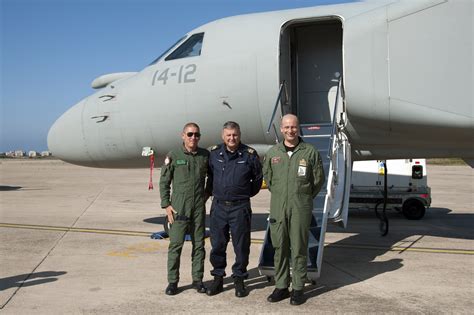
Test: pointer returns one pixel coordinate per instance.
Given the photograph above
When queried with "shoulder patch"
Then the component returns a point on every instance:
(167, 160)
(214, 147)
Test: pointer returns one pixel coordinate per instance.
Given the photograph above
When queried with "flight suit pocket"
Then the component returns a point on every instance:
(275, 233)
(182, 217)
(178, 201)
(303, 186)
(278, 173)
(178, 230)
(181, 177)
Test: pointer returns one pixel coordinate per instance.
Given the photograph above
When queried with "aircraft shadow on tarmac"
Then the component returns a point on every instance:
(354, 259)
(9, 188)
(348, 261)
(259, 221)
(14, 188)
(437, 222)
(27, 280)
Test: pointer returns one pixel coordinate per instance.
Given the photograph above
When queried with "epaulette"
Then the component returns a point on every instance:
(250, 150)
(214, 147)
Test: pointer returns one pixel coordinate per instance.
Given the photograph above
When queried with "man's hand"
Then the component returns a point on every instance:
(169, 212)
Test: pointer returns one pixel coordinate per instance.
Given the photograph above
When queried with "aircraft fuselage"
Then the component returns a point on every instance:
(407, 82)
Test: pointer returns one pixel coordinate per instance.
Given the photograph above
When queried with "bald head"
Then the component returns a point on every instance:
(292, 118)
(290, 129)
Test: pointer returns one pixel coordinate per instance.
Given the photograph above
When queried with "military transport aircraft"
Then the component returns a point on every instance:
(368, 80)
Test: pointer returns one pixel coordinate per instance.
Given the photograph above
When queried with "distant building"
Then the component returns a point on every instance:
(33, 154)
(45, 153)
(19, 153)
(10, 154)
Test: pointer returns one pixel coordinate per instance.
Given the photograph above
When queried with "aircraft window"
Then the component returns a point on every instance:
(167, 50)
(190, 48)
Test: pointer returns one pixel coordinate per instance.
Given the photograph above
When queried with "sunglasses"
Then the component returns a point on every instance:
(196, 134)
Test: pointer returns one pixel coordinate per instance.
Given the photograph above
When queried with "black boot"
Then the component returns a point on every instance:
(240, 289)
(278, 295)
(199, 286)
(217, 286)
(297, 297)
(171, 289)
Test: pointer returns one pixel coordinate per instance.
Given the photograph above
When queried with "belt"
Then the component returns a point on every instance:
(232, 202)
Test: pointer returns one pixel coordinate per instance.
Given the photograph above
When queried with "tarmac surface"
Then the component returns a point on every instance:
(77, 240)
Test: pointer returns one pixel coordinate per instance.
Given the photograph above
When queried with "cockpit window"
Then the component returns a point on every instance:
(190, 48)
(168, 50)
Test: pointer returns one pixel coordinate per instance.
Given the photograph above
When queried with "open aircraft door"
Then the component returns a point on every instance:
(339, 180)
(311, 76)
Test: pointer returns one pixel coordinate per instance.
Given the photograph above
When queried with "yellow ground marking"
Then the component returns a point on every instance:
(133, 250)
(130, 251)
(403, 249)
(74, 229)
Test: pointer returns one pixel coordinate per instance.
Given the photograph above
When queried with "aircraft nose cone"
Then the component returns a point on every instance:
(65, 137)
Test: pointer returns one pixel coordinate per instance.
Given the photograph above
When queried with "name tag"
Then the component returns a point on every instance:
(181, 162)
(301, 170)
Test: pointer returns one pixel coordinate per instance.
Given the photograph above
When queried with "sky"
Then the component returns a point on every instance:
(51, 50)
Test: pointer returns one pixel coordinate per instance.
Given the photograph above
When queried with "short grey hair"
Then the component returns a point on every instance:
(288, 116)
(191, 124)
(231, 125)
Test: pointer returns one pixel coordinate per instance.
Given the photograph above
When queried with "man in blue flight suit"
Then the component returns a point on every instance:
(235, 175)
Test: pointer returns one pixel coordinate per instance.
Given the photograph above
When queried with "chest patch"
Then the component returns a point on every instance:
(303, 162)
(181, 162)
(276, 160)
(301, 170)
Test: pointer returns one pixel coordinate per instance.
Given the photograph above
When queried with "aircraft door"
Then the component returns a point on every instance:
(340, 166)
(315, 55)
(311, 66)
(339, 181)
(311, 62)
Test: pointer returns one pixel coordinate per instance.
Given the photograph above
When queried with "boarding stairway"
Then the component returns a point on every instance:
(331, 204)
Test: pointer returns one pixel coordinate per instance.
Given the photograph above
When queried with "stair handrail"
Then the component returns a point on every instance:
(334, 123)
(277, 102)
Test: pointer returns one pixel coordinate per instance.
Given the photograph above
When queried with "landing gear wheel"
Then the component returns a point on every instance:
(413, 209)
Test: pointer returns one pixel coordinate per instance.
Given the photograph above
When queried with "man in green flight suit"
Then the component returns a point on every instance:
(185, 169)
(294, 174)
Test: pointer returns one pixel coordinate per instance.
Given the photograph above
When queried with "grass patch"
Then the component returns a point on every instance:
(448, 161)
